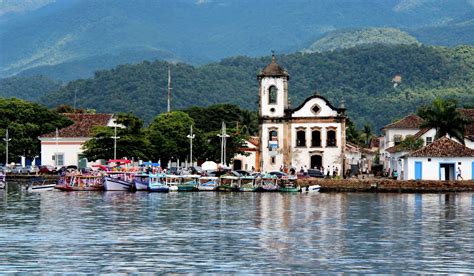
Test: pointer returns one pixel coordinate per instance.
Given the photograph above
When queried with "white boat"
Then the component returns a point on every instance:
(141, 182)
(208, 183)
(3, 182)
(172, 181)
(40, 185)
(118, 181)
(311, 189)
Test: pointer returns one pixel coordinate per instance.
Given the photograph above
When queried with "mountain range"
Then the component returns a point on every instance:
(70, 39)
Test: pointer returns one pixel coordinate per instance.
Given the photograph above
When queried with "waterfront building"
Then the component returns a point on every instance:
(66, 145)
(440, 160)
(311, 135)
(249, 160)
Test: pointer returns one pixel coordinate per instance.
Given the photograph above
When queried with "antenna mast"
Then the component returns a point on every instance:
(169, 88)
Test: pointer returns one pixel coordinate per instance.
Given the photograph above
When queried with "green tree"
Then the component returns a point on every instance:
(367, 134)
(26, 122)
(410, 143)
(132, 144)
(443, 116)
(167, 134)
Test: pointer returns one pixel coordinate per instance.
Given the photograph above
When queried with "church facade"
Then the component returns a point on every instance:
(311, 135)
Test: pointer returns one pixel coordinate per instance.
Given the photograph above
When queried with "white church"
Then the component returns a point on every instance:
(311, 135)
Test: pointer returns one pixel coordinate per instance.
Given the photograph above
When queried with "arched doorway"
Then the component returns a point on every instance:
(237, 164)
(316, 161)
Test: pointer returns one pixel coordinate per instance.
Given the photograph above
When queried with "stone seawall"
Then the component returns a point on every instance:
(389, 186)
(28, 178)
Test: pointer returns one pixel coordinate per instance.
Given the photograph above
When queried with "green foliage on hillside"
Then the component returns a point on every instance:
(30, 89)
(361, 75)
(343, 39)
(25, 122)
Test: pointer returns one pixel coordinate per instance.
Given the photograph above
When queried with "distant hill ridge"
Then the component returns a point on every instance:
(343, 39)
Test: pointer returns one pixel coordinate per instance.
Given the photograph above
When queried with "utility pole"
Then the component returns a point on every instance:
(115, 142)
(191, 137)
(6, 139)
(223, 137)
(169, 88)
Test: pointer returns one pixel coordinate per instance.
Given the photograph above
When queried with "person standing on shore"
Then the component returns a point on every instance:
(459, 174)
(328, 172)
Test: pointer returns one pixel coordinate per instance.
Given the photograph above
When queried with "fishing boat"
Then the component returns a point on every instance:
(229, 183)
(311, 189)
(172, 181)
(247, 184)
(288, 184)
(39, 184)
(208, 183)
(118, 181)
(155, 184)
(267, 183)
(188, 183)
(3, 182)
(79, 182)
(140, 182)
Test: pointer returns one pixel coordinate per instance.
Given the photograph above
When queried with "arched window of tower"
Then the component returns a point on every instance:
(272, 95)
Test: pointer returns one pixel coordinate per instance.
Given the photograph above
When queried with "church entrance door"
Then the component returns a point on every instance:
(316, 161)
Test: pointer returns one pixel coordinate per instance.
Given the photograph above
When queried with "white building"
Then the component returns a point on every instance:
(311, 135)
(249, 160)
(68, 146)
(439, 160)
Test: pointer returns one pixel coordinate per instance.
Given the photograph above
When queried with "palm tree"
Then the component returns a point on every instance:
(443, 116)
(367, 132)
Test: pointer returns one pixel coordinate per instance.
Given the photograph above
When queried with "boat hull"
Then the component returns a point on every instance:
(112, 184)
(289, 189)
(226, 188)
(311, 189)
(160, 189)
(40, 188)
(248, 189)
(140, 185)
(68, 188)
(207, 188)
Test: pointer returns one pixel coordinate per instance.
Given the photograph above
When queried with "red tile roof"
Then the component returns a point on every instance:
(83, 125)
(254, 141)
(443, 147)
(420, 133)
(411, 121)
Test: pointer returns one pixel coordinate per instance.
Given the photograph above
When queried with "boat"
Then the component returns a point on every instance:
(155, 184)
(172, 181)
(39, 184)
(188, 183)
(79, 182)
(229, 183)
(288, 184)
(3, 182)
(140, 182)
(247, 184)
(208, 183)
(267, 183)
(311, 189)
(118, 181)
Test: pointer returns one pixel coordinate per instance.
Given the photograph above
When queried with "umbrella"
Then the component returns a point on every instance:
(209, 165)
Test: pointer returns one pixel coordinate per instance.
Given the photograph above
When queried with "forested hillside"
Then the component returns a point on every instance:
(362, 76)
(27, 88)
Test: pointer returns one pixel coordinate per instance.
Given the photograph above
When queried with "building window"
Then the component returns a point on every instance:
(315, 109)
(272, 160)
(273, 139)
(429, 140)
(301, 138)
(316, 138)
(60, 159)
(397, 139)
(272, 95)
(331, 138)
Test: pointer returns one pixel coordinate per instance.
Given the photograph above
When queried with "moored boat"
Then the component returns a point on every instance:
(140, 182)
(208, 183)
(288, 184)
(39, 184)
(3, 182)
(229, 183)
(78, 182)
(155, 184)
(188, 183)
(172, 181)
(311, 189)
(118, 181)
(267, 183)
(247, 184)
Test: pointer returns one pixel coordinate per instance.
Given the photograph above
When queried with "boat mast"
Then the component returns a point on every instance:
(169, 88)
(191, 137)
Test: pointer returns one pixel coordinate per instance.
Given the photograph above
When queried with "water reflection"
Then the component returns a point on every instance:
(117, 232)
